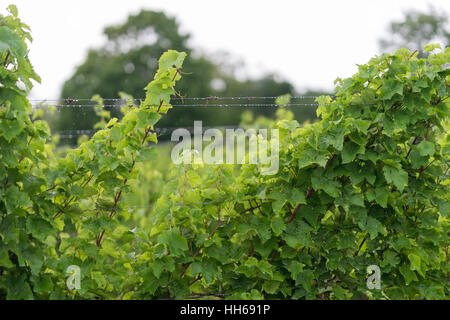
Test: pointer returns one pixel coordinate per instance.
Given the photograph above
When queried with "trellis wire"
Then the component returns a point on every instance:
(222, 105)
(69, 134)
(179, 204)
(122, 102)
(70, 100)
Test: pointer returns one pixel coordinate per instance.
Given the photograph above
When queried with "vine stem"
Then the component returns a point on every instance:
(250, 252)
(159, 107)
(422, 169)
(410, 149)
(119, 193)
(415, 139)
(250, 209)
(6, 59)
(274, 254)
(176, 73)
(412, 54)
(69, 201)
(360, 246)
(195, 280)
(308, 194)
(259, 209)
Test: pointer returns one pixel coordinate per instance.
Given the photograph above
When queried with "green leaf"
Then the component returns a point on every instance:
(444, 208)
(432, 291)
(148, 154)
(381, 196)
(388, 125)
(374, 227)
(305, 279)
(397, 176)
(171, 58)
(76, 190)
(207, 268)
(43, 284)
(328, 185)
(390, 88)
(10, 41)
(158, 268)
(415, 262)
(11, 128)
(407, 274)
(296, 197)
(17, 287)
(431, 46)
(271, 286)
(311, 156)
(350, 151)
(278, 226)
(361, 125)
(340, 293)
(16, 198)
(147, 118)
(295, 267)
(390, 258)
(417, 160)
(401, 243)
(13, 9)
(34, 258)
(262, 227)
(277, 205)
(4, 259)
(180, 289)
(39, 228)
(176, 243)
(426, 148)
(347, 241)
(115, 133)
(297, 235)
(334, 137)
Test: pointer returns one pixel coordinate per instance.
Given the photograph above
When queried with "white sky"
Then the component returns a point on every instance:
(309, 43)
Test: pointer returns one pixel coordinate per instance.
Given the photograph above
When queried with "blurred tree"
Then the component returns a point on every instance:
(416, 30)
(128, 61)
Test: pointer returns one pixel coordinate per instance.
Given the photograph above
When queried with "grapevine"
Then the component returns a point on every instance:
(365, 185)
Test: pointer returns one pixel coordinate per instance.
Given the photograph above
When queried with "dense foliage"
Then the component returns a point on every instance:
(366, 185)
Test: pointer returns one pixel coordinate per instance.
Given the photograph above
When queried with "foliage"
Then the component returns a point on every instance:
(366, 185)
(44, 227)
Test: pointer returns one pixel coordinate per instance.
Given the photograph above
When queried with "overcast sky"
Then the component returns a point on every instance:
(309, 43)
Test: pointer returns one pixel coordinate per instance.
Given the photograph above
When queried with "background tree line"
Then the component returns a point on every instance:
(128, 60)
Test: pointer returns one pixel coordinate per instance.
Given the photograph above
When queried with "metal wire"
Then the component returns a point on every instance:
(70, 100)
(221, 105)
(157, 129)
(179, 204)
(121, 102)
(69, 134)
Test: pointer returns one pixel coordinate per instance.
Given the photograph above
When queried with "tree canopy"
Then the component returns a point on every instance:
(130, 55)
(416, 30)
